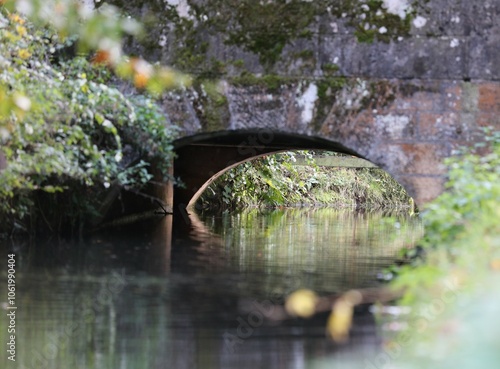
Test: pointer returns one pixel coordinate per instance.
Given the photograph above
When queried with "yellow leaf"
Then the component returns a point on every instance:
(495, 264)
(340, 320)
(301, 303)
(23, 54)
(140, 80)
(125, 69)
(14, 17)
(21, 30)
(167, 77)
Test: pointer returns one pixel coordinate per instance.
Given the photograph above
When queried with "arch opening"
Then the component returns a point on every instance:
(202, 159)
(303, 179)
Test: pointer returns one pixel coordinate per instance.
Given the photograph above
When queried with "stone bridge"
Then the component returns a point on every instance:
(401, 83)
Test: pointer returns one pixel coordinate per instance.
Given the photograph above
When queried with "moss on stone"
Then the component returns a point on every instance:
(304, 54)
(328, 89)
(240, 63)
(372, 22)
(211, 105)
(346, 97)
(381, 93)
(329, 69)
(263, 28)
(271, 82)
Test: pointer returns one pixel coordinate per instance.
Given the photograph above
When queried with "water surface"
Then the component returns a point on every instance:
(142, 298)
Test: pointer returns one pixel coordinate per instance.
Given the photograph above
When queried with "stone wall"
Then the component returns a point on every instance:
(405, 127)
(400, 83)
(423, 39)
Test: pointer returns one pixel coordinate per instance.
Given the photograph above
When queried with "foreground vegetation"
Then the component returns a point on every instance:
(69, 133)
(453, 298)
(275, 180)
(448, 314)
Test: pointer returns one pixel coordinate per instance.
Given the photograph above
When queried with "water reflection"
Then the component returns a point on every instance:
(141, 299)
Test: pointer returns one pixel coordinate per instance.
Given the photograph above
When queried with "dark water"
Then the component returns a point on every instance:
(139, 298)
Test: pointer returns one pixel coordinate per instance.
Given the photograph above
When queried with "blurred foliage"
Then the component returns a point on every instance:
(63, 123)
(449, 316)
(101, 31)
(340, 320)
(462, 220)
(452, 295)
(301, 303)
(274, 180)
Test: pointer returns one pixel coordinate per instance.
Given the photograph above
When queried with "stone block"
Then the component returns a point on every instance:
(481, 17)
(442, 18)
(423, 57)
(331, 53)
(395, 127)
(441, 126)
(330, 24)
(486, 119)
(417, 158)
(355, 58)
(452, 97)
(299, 58)
(489, 97)
(484, 57)
(423, 189)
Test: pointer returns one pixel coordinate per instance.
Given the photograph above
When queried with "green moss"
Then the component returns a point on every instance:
(274, 82)
(212, 106)
(329, 86)
(304, 54)
(258, 27)
(240, 63)
(190, 54)
(369, 17)
(263, 28)
(329, 69)
(327, 90)
(271, 82)
(364, 36)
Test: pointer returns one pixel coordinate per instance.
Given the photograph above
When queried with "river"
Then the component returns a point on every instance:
(197, 294)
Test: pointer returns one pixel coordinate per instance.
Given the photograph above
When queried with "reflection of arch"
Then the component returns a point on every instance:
(203, 158)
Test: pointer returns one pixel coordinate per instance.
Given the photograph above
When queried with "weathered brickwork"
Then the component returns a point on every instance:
(402, 88)
(408, 132)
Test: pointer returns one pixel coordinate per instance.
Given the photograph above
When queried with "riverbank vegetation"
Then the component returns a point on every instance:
(452, 296)
(448, 306)
(70, 135)
(276, 180)
(448, 309)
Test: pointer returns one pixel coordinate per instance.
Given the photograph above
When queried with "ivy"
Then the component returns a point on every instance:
(71, 134)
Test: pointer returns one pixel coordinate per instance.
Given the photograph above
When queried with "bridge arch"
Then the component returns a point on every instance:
(202, 158)
(407, 128)
(404, 99)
